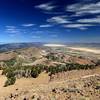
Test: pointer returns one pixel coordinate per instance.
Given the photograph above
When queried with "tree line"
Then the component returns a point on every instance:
(33, 71)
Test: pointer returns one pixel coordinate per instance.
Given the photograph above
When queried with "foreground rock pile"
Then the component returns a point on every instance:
(85, 88)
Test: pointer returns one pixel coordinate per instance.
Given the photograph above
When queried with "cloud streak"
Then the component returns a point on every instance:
(58, 20)
(83, 8)
(90, 20)
(46, 25)
(27, 25)
(76, 10)
(78, 26)
(12, 29)
(46, 6)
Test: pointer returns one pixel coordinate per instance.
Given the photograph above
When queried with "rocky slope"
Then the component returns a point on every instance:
(76, 86)
(86, 88)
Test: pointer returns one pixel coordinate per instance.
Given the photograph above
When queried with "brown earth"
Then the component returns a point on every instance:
(7, 56)
(43, 86)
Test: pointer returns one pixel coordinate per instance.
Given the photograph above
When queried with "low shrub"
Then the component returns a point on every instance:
(34, 72)
(10, 81)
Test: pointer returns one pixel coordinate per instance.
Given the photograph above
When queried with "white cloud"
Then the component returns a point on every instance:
(58, 20)
(46, 6)
(90, 20)
(46, 25)
(12, 29)
(28, 25)
(83, 8)
(78, 26)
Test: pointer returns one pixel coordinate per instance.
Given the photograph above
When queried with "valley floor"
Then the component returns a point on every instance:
(96, 51)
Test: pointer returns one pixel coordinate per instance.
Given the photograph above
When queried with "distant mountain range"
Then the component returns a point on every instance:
(13, 46)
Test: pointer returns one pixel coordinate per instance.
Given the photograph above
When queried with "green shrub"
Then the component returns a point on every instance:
(10, 77)
(67, 67)
(7, 70)
(10, 74)
(10, 62)
(10, 81)
(34, 73)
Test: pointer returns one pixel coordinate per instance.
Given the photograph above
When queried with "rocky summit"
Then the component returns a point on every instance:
(49, 73)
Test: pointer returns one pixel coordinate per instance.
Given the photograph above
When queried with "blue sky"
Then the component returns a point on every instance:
(56, 21)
